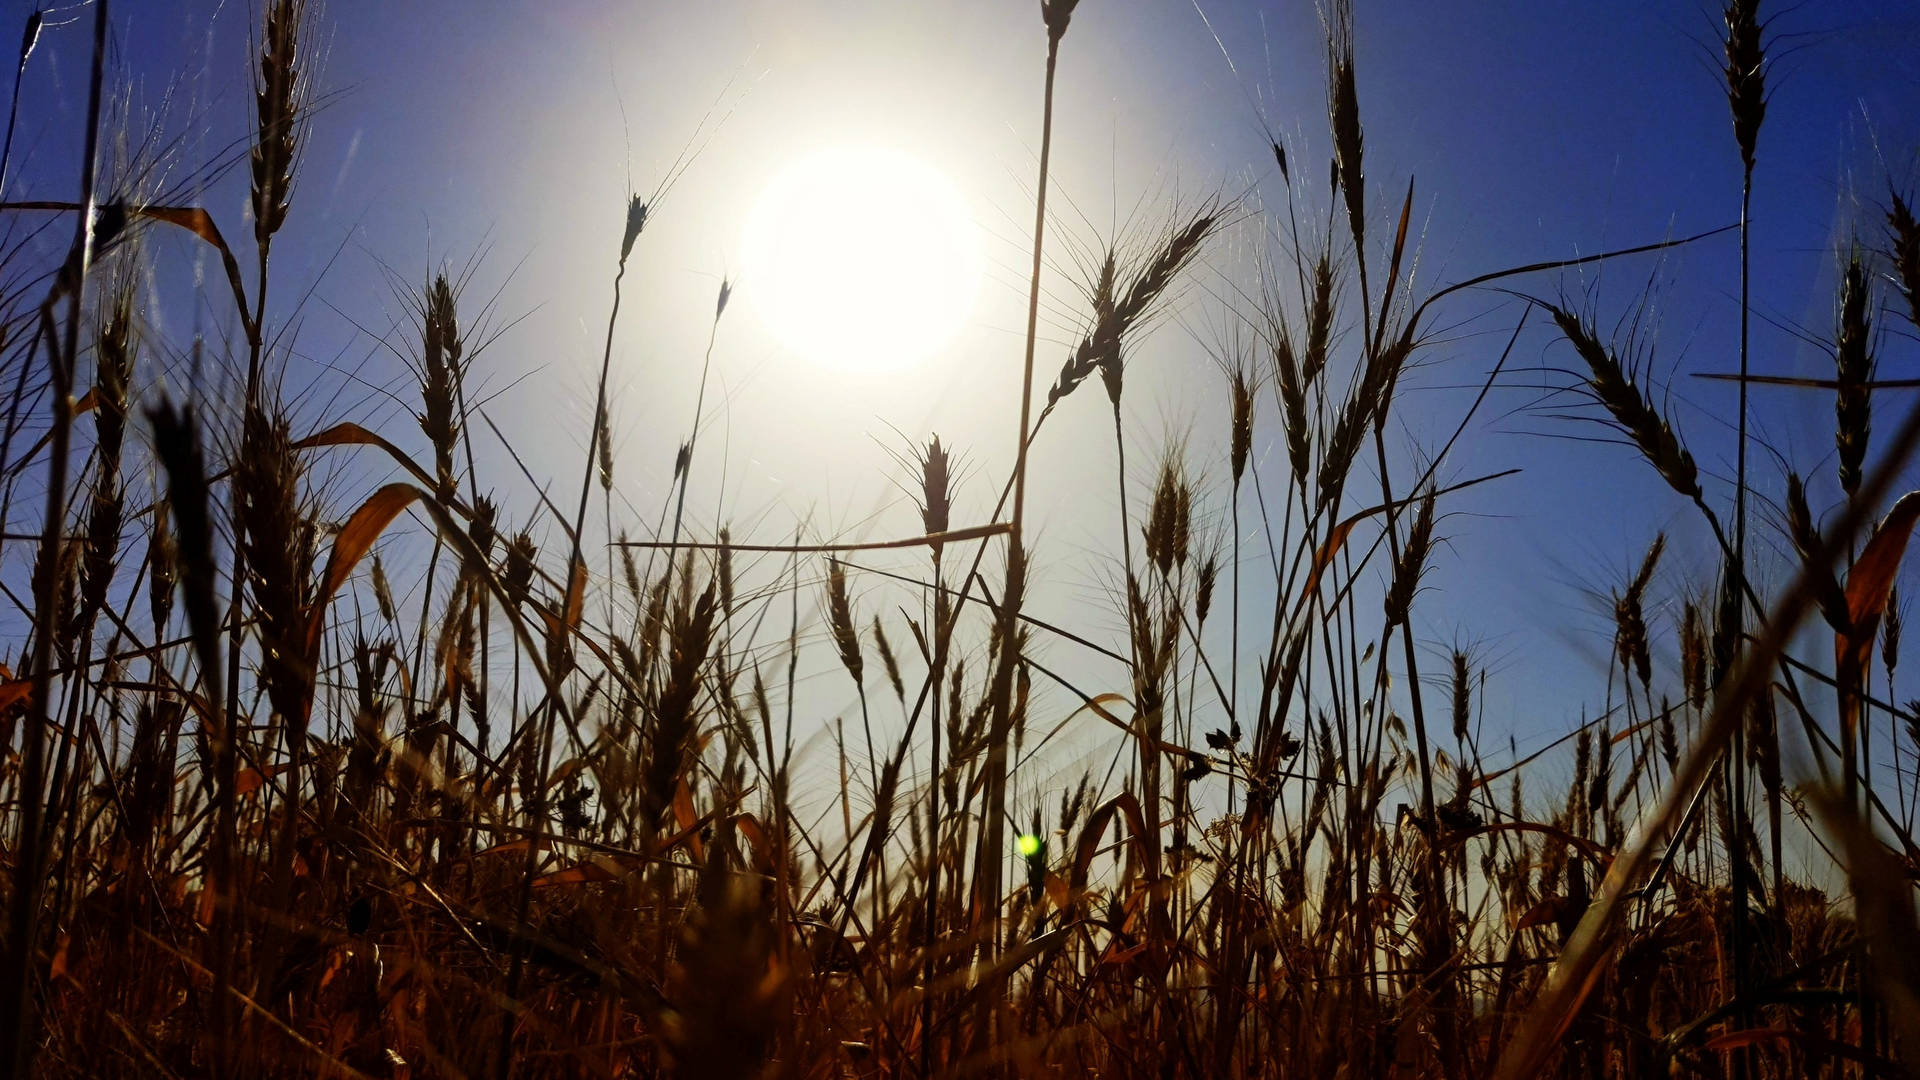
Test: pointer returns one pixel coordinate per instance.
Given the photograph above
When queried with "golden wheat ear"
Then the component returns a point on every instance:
(280, 99)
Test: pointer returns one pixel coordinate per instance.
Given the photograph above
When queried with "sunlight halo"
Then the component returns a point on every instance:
(864, 259)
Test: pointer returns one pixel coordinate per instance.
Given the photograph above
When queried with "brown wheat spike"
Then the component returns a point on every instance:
(382, 589)
(162, 570)
(936, 494)
(630, 574)
(61, 624)
(1693, 655)
(1203, 594)
(1613, 387)
(636, 221)
(1903, 251)
(887, 661)
(1319, 320)
(1240, 441)
(1853, 370)
(1462, 696)
(1746, 75)
(683, 601)
(1381, 373)
(440, 372)
(1806, 542)
(1159, 530)
(1630, 635)
(603, 448)
(1413, 559)
(1341, 446)
(1140, 625)
(149, 783)
(1116, 315)
(1182, 539)
(1291, 388)
(1179, 249)
(176, 439)
(675, 721)
(1086, 359)
(1725, 640)
(1056, 14)
(840, 620)
(517, 575)
(957, 733)
(278, 539)
(482, 528)
(653, 623)
(1343, 106)
(113, 361)
(278, 109)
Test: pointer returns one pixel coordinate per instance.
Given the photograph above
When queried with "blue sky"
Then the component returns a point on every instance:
(510, 133)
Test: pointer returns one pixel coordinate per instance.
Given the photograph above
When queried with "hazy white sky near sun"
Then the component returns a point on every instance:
(1535, 130)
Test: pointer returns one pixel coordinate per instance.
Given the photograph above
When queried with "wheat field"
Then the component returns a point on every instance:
(554, 799)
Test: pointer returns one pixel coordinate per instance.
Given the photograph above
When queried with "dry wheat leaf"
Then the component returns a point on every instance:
(355, 539)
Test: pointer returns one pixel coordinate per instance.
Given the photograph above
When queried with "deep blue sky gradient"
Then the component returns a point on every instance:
(511, 132)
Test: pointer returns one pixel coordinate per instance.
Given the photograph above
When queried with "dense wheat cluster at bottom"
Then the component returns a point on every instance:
(531, 806)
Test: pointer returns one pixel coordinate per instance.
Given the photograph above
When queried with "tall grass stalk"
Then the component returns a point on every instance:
(18, 1012)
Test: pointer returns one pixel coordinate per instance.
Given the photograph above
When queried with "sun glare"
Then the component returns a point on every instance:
(864, 259)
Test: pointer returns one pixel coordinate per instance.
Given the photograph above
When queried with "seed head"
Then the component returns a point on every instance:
(481, 529)
(518, 573)
(1693, 655)
(1413, 559)
(1343, 106)
(1203, 595)
(440, 372)
(840, 621)
(1806, 541)
(1462, 696)
(1853, 369)
(936, 494)
(1056, 14)
(162, 571)
(888, 662)
(636, 221)
(1240, 443)
(1746, 75)
(277, 95)
(1612, 386)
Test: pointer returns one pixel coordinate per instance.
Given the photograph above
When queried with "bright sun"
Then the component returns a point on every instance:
(861, 258)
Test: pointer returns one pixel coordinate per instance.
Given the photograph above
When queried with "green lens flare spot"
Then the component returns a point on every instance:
(1027, 844)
